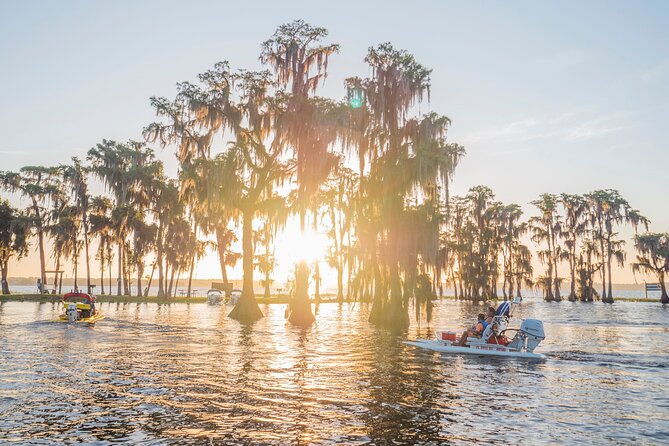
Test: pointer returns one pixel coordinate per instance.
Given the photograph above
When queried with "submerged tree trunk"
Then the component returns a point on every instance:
(397, 317)
(378, 299)
(247, 309)
(664, 298)
(300, 307)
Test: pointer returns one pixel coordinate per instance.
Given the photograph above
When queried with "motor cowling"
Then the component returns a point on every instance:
(71, 312)
(533, 330)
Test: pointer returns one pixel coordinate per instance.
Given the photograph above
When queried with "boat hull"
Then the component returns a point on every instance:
(87, 320)
(478, 350)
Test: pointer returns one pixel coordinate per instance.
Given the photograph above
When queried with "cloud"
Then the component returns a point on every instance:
(594, 128)
(575, 125)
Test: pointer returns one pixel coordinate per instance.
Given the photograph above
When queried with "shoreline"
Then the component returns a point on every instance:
(276, 299)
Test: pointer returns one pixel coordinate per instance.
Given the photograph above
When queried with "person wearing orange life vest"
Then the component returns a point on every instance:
(476, 331)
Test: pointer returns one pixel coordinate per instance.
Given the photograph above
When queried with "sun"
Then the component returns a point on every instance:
(293, 245)
(308, 245)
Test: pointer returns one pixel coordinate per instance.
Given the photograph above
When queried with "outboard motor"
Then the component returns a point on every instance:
(71, 312)
(533, 330)
(531, 333)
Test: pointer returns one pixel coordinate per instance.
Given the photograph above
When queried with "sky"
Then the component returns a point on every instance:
(551, 96)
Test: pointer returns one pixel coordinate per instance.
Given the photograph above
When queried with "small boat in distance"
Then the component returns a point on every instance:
(214, 296)
(80, 308)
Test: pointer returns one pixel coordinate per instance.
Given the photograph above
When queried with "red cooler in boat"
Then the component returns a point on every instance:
(448, 336)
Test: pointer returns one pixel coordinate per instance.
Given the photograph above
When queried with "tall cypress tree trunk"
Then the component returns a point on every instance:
(608, 262)
(159, 261)
(220, 246)
(169, 287)
(55, 277)
(42, 262)
(109, 270)
(190, 276)
(572, 268)
(247, 309)
(340, 283)
(140, 271)
(3, 268)
(602, 253)
(176, 284)
(126, 275)
(120, 268)
(76, 264)
(556, 280)
(40, 242)
(148, 285)
(102, 272)
(88, 262)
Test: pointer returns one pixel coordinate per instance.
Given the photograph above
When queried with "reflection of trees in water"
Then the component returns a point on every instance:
(246, 349)
(301, 411)
(405, 394)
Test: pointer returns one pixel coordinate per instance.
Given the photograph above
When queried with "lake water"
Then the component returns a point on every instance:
(186, 374)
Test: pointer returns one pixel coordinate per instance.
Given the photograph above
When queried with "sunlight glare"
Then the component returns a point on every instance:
(309, 246)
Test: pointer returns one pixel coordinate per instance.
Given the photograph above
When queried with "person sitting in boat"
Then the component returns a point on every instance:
(476, 330)
(490, 315)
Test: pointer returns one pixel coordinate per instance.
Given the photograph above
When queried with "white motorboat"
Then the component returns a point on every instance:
(494, 341)
(214, 296)
(234, 296)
